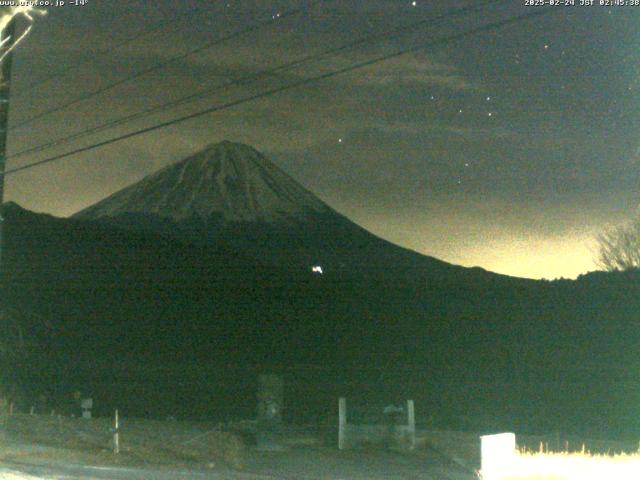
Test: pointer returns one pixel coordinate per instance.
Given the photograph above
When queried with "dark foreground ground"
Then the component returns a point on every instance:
(58, 447)
(300, 463)
(37, 447)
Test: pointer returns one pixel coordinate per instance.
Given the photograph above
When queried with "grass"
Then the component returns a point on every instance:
(176, 444)
(527, 465)
(142, 442)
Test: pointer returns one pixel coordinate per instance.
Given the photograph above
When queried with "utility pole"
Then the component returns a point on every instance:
(5, 83)
(5, 86)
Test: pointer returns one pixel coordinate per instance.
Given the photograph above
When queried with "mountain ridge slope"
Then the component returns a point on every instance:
(231, 194)
(228, 179)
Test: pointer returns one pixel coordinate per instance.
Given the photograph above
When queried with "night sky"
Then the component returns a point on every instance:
(507, 150)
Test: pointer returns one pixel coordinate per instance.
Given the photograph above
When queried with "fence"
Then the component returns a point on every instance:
(389, 432)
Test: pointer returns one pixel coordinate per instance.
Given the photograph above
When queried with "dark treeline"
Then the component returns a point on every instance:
(157, 326)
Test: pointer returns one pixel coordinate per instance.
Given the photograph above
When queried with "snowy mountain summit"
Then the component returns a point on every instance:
(226, 179)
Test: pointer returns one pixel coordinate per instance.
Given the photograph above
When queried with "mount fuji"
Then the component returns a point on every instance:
(230, 194)
(231, 181)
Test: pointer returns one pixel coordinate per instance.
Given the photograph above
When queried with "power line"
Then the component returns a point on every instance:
(158, 66)
(92, 56)
(246, 79)
(306, 81)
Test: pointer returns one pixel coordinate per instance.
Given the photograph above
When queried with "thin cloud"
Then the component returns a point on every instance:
(412, 69)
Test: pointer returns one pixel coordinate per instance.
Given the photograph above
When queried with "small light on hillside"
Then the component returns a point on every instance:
(317, 269)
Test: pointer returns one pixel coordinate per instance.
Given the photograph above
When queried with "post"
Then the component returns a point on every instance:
(498, 455)
(5, 84)
(270, 399)
(342, 422)
(411, 424)
(270, 404)
(86, 405)
(116, 434)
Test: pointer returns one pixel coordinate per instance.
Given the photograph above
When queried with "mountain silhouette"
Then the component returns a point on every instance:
(230, 181)
(169, 297)
(230, 194)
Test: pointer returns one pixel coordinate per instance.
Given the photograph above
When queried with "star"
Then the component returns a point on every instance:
(488, 99)
(546, 47)
(339, 140)
(413, 4)
(490, 114)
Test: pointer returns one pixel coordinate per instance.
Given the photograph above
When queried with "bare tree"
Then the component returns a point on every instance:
(619, 247)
